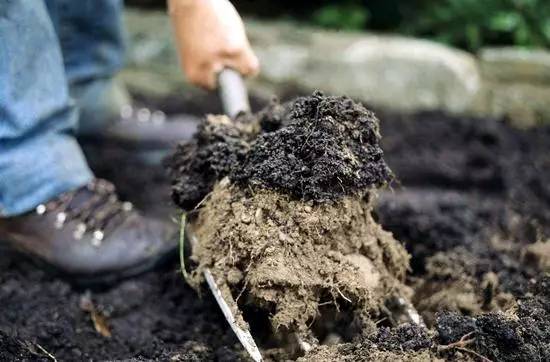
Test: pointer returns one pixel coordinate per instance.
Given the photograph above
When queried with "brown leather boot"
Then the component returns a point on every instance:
(91, 236)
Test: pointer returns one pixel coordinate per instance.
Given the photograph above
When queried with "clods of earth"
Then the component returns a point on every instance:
(326, 224)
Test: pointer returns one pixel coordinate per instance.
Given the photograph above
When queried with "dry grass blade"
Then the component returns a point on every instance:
(183, 221)
(44, 351)
(98, 319)
(461, 345)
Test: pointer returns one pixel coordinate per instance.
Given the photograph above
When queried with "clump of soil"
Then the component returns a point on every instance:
(290, 228)
(14, 349)
(446, 203)
(408, 342)
(290, 256)
(212, 154)
(463, 281)
(520, 334)
(285, 221)
(325, 148)
(317, 148)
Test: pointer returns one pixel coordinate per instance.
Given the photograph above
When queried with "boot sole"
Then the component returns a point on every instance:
(93, 281)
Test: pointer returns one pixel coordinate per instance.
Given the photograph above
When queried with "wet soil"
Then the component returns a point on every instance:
(289, 257)
(286, 218)
(471, 203)
(318, 148)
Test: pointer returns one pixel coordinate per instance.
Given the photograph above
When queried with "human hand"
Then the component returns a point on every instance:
(210, 36)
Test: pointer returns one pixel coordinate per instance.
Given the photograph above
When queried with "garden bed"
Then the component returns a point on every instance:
(470, 203)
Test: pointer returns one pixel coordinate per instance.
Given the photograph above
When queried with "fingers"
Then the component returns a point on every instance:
(204, 74)
(244, 62)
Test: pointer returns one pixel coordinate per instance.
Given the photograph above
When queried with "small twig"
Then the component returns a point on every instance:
(380, 320)
(242, 291)
(461, 344)
(341, 184)
(467, 350)
(343, 296)
(325, 303)
(43, 350)
(204, 199)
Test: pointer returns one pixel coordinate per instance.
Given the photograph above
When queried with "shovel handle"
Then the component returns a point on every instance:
(233, 93)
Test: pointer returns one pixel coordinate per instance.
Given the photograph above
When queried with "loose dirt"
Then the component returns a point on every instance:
(485, 218)
(290, 256)
(319, 148)
(290, 228)
(286, 220)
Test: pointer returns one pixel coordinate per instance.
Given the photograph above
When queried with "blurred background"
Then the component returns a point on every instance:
(467, 24)
(485, 58)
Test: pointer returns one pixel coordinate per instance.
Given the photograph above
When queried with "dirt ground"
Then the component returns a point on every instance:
(471, 204)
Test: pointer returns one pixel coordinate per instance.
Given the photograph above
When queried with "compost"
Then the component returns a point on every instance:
(287, 220)
(469, 201)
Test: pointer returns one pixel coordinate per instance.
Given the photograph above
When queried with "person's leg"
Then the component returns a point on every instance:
(92, 43)
(39, 157)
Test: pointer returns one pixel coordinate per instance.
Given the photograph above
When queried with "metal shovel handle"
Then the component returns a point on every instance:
(233, 92)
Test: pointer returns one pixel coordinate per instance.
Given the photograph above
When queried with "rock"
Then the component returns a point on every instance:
(516, 85)
(513, 64)
(386, 71)
(538, 255)
(389, 71)
(524, 104)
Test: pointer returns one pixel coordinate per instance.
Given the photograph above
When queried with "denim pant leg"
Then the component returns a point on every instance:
(39, 157)
(92, 43)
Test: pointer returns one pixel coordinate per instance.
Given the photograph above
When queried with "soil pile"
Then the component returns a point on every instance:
(520, 334)
(323, 149)
(290, 228)
(459, 222)
(317, 148)
(407, 342)
(528, 185)
(289, 256)
(431, 150)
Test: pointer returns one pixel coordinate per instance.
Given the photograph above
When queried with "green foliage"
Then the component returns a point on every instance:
(473, 23)
(345, 15)
(468, 24)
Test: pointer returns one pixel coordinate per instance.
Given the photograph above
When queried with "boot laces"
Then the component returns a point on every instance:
(99, 212)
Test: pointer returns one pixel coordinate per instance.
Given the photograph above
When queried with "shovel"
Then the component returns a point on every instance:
(234, 97)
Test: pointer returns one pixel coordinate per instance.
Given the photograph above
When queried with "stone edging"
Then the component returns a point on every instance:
(387, 71)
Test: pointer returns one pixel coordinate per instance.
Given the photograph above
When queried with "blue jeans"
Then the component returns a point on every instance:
(56, 57)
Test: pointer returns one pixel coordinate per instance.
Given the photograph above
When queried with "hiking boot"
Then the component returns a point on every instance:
(143, 128)
(90, 235)
(107, 114)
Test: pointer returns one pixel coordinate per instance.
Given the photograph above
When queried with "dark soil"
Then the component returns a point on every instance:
(211, 155)
(521, 335)
(154, 317)
(318, 148)
(473, 196)
(286, 213)
(323, 149)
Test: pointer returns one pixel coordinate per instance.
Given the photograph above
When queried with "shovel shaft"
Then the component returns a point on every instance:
(233, 92)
